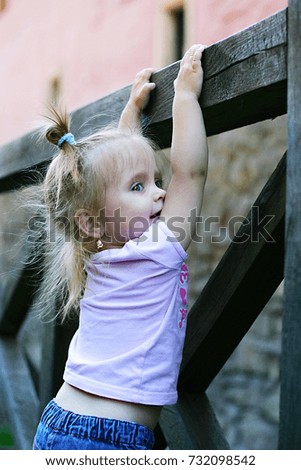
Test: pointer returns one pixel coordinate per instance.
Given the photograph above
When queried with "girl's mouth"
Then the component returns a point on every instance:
(154, 216)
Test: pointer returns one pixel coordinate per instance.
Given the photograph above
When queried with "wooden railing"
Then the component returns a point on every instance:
(245, 82)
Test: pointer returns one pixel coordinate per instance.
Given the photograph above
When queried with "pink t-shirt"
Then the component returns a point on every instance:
(132, 322)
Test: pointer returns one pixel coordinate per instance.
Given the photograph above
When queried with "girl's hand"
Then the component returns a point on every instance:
(190, 76)
(139, 98)
(141, 89)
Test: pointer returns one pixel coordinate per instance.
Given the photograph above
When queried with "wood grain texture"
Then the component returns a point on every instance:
(290, 401)
(192, 424)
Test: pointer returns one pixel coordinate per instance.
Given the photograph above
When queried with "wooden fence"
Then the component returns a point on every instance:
(246, 80)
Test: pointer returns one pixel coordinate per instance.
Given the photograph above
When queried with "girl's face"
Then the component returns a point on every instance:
(133, 203)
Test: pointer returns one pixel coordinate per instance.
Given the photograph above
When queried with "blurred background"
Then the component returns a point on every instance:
(79, 51)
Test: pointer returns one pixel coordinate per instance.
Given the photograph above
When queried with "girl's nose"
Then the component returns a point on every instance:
(159, 193)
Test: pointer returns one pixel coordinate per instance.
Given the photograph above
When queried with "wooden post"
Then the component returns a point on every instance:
(290, 398)
(192, 424)
(55, 347)
(252, 263)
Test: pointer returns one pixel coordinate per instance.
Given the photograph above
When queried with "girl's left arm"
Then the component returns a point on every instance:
(189, 151)
(139, 98)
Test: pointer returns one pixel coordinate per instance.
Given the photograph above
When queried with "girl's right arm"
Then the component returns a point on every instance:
(189, 152)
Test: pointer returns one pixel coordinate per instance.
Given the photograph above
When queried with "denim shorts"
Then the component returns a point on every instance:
(60, 429)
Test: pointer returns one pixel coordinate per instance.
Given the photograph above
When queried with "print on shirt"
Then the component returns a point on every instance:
(184, 276)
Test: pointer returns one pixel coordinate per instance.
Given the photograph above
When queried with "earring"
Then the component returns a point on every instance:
(99, 244)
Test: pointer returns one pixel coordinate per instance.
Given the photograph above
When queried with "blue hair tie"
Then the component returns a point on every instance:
(69, 138)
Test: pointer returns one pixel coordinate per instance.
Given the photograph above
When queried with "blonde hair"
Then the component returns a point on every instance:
(77, 178)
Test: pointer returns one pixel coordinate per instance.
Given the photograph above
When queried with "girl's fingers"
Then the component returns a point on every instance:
(190, 75)
(145, 74)
(142, 88)
(150, 85)
(198, 53)
(194, 53)
(147, 89)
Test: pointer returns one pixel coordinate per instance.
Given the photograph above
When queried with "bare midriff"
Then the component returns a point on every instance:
(80, 402)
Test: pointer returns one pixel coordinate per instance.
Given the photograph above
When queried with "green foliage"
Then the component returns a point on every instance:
(6, 439)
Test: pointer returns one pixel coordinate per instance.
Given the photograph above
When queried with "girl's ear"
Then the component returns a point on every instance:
(88, 224)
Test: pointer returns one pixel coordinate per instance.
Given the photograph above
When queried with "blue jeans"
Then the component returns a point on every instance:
(59, 429)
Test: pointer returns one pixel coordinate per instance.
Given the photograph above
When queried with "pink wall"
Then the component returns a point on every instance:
(94, 47)
(217, 19)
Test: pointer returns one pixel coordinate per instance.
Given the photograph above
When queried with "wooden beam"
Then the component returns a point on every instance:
(20, 397)
(19, 294)
(245, 81)
(192, 424)
(290, 396)
(238, 289)
(55, 345)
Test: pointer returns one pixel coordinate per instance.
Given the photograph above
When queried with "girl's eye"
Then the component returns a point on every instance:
(159, 183)
(137, 187)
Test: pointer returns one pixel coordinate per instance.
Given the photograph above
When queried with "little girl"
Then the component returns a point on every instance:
(130, 235)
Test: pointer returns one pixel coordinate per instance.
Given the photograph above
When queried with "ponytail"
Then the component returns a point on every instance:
(65, 169)
(65, 255)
